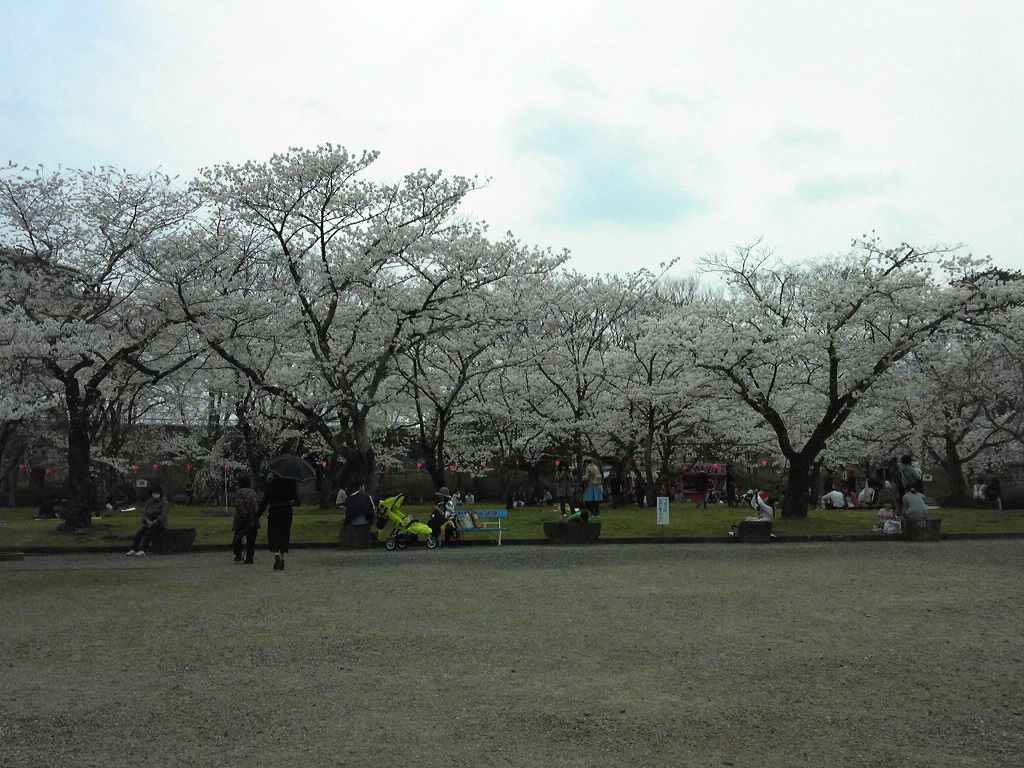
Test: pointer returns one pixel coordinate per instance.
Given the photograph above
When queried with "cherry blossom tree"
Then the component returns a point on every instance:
(567, 387)
(441, 373)
(72, 241)
(310, 280)
(802, 344)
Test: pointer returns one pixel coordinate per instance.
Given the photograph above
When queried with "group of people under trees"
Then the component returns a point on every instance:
(887, 483)
(891, 483)
(572, 492)
(899, 487)
(277, 500)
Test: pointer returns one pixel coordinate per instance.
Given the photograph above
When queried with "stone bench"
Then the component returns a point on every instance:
(575, 532)
(354, 537)
(923, 530)
(753, 531)
(174, 540)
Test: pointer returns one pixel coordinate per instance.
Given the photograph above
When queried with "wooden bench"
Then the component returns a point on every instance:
(487, 521)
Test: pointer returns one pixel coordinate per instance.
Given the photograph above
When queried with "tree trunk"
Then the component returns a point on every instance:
(330, 482)
(954, 468)
(796, 500)
(81, 495)
(358, 457)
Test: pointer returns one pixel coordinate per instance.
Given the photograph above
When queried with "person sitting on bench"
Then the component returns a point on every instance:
(761, 509)
(154, 521)
(915, 512)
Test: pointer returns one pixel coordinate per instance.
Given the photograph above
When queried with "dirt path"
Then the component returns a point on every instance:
(887, 654)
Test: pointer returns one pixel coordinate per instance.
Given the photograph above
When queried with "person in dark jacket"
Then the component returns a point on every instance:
(565, 489)
(277, 501)
(703, 488)
(359, 507)
(246, 523)
(154, 521)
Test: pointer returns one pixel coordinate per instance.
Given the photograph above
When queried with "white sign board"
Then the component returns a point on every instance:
(663, 510)
(141, 483)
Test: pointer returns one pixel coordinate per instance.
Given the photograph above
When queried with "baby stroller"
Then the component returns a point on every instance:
(404, 529)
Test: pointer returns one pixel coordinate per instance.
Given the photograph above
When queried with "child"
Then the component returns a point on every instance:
(887, 522)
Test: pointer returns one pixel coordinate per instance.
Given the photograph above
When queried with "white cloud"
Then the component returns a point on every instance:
(806, 122)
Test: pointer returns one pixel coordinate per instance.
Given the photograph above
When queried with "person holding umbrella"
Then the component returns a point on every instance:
(283, 474)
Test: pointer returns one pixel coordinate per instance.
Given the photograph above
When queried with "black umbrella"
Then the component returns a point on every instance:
(291, 467)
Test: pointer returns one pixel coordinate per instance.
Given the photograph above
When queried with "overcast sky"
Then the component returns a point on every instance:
(629, 132)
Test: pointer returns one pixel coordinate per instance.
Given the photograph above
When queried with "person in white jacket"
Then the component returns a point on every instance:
(762, 511)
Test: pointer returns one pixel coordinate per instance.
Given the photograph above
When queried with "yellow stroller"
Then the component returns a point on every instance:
(405, 530)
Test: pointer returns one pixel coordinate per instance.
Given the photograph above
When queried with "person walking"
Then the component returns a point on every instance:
(246, 523)
(277, 501)
(639, 490)
(730, 485)
(703, 485)
(615, 490)
(154, 521)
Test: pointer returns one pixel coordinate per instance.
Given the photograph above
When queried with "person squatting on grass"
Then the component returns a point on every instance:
(246, 523)
(835, 500)
(154, 521)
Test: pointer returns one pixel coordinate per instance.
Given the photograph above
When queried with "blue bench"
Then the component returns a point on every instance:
(487, 521)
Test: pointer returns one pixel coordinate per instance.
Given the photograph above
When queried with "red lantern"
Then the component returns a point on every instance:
(48, 470)
(21, 466)
(557, 462)
(451, 467)
(156, 466)
(419, 465)
(323, 463)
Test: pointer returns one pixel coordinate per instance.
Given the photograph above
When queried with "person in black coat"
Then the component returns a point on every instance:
(359, 507)
(277, 502)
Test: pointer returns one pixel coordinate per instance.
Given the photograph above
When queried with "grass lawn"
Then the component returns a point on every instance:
(313, 525)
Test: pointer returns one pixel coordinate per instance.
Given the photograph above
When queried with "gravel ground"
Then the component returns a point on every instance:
(858, 654)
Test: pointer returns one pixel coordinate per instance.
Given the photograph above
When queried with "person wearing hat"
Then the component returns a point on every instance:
(442, 517)
(154, 521)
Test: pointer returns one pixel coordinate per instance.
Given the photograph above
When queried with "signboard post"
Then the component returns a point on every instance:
(663, 510)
